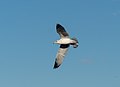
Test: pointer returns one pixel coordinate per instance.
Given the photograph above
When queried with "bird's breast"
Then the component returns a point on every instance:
(65, 41)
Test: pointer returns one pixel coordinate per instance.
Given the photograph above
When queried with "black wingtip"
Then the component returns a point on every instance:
(58, 26)
(56, 65)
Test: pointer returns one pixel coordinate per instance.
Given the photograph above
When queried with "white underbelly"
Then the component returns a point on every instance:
(65, 41)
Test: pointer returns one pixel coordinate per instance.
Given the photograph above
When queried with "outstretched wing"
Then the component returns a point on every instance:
(61, 31)
(60, 55)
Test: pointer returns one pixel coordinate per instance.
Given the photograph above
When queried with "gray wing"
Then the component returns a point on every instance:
(60, 55)
(61, 31)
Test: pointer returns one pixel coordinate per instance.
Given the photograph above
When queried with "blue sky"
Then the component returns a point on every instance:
(27, 31)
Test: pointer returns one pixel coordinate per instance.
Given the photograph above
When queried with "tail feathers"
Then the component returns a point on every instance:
(75, 45)
(75, 39)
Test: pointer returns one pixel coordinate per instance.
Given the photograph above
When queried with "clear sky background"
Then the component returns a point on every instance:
(27, 52)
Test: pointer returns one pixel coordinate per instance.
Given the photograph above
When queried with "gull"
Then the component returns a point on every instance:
(65, 41)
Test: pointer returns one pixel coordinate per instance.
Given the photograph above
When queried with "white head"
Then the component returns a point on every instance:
(56, 42)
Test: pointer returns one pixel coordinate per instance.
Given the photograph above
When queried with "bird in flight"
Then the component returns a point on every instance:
(65, 41)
